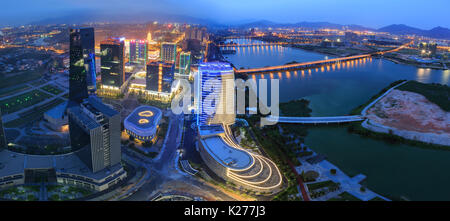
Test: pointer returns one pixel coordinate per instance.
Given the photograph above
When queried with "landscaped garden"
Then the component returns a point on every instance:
(19, 102)
(21, 193)
(52, 89)
(65, 192)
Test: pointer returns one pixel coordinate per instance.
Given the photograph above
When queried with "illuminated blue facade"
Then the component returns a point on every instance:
(92, 75)
(211, 84)
(143, 123)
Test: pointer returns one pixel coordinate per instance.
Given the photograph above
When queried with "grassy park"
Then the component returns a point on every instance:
(33, 114)
(52, 89)
(19, 102)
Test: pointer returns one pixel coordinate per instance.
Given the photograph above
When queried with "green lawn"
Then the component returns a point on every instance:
(21, 78)
(52, 89)
(436, 93)
(319, 185)
(12, 90)
(33, 114)
(18, 102)
(65, 192)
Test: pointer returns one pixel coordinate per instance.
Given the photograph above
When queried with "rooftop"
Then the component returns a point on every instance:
(13, 163)
(94, 104)
(58, 111)
(208, 130)
(85, 119)
(144, 117)
(226, 155)
(215, 66)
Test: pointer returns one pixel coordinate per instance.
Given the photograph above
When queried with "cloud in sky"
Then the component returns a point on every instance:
(419, 13)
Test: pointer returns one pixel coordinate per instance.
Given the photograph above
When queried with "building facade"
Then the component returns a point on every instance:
(185, 63)
(143, 123)
(95, 132)
(82, 73)
(215, 101)
(139, 52)
(160, 76)
(168, 52)
(112, 63)
(19, 169)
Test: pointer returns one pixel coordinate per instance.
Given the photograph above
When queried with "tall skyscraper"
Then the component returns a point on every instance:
(82, 75)
(215, 98)
(160, 76)
(95, 132)
(2, 134)
(139, 51)
(112, 63)
(185, 63)
(168, 52)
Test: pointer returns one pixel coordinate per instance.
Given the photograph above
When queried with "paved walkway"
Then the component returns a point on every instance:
(348, 184)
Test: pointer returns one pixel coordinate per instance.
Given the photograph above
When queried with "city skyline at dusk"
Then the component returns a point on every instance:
(236, 103)
(372, 14)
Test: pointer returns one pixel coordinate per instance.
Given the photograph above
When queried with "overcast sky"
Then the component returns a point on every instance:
(371, 13)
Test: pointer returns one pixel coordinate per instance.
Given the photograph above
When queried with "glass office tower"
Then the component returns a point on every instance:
(82, 75)
(112, 63)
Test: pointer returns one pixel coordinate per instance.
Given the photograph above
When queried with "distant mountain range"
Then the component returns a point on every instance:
(398, 29)
(79, 17)
(304, 24)
(437, 32)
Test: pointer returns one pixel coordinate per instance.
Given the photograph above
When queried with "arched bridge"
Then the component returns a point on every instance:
(314, 64)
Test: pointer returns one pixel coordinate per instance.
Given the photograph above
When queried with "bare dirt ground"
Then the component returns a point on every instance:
(410, 111)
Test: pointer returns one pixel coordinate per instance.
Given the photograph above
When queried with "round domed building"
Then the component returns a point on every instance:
(143, 123)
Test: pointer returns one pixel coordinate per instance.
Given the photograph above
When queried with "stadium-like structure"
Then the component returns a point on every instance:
(143, 123)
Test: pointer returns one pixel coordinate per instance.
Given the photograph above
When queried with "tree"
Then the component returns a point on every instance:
(333, 171)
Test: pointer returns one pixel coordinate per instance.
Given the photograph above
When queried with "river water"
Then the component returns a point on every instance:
(393, 170)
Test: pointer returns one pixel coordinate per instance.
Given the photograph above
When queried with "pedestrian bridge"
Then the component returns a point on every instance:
(316, 120)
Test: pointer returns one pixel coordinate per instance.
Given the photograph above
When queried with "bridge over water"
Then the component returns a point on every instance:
(314, 64)
(260, 44)
(317, 120)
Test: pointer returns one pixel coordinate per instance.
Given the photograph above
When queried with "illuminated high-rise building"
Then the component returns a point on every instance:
(139, 51)
(185, 63)
(215, 99)
(112, 63)
(168, 52)
(82, 74)
(160, 76)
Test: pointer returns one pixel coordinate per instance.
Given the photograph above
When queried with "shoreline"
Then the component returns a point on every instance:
(315, 49)
(375, 130)
(347, 184)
